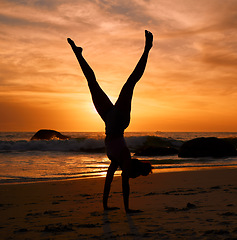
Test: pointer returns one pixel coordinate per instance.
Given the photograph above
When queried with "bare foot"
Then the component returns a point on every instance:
(74, 47)
(149, 40)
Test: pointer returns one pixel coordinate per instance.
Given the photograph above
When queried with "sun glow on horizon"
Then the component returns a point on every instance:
(189, 83)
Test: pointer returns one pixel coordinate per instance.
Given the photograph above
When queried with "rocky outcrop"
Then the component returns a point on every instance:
(207, 147)
(45, 134)
(156, 151)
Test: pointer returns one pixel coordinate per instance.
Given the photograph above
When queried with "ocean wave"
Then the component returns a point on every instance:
(71, 145)
(84, 144)
(91, 145)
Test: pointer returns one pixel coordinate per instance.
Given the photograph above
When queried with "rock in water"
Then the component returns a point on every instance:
(207, 147)
(156, 151)
(45, 134)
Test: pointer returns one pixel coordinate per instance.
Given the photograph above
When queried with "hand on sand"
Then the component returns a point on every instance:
(111, 208)
(133, 211)
(149, 40)
(74, 47)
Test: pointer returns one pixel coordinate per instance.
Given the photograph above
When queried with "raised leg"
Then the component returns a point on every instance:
(123, 103)
(101, 101)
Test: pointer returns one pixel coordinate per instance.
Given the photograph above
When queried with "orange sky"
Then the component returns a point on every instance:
(190, 83)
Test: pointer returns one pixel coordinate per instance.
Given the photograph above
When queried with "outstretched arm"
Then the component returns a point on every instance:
(126, 191)
(108, 180)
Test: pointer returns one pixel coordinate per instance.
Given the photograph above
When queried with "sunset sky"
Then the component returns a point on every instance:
(190, 83)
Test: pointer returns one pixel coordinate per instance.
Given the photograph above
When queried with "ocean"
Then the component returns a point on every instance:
(24, 161)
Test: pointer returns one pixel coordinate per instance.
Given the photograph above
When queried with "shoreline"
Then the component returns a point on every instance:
(118, 173)
(187, 205)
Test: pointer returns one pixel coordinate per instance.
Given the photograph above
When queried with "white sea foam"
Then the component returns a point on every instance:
(52, 145)
(81, 144)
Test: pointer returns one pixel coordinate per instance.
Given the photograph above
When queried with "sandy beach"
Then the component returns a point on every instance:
(177, 205)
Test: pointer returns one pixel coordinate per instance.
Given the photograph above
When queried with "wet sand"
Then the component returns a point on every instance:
(177, 205)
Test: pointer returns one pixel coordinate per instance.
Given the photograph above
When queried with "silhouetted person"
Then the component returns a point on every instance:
(117, 117)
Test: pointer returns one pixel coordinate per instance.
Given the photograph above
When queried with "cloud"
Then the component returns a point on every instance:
(219, 54)
(193, 60)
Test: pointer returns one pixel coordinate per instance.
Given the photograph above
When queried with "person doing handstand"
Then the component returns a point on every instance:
(117, 117)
